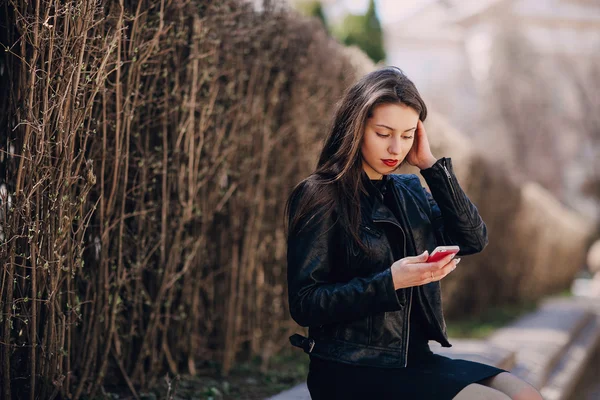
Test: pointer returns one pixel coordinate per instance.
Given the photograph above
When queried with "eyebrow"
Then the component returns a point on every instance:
(392, 129)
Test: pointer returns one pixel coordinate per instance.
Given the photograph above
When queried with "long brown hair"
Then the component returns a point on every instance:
(336, 183)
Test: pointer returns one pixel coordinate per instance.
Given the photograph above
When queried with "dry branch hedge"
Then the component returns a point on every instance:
(156, 141)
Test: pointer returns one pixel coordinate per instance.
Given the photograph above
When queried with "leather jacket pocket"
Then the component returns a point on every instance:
(363, 262)
(377, 243)
(368, 235)
(402, 299)
(357, 331)
(371, 231)
(388, 330)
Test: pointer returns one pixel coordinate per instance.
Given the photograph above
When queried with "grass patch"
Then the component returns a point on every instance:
(245, 381)
(483, 325)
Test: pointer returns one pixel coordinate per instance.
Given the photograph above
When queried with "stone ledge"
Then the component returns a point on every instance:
(540, 339)
(562, 380)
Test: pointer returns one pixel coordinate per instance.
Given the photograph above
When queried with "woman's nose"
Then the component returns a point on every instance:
(394, 147)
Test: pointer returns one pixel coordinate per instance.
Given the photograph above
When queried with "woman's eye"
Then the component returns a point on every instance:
(380, 135)
(407, 137)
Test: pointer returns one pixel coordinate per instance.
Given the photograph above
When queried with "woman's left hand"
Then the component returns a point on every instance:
(420, 154)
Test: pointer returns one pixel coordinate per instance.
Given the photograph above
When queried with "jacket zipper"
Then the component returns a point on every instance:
(449, 179)
(408, 328)
(411, 291)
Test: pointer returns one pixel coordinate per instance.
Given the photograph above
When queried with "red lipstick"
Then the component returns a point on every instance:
(390, 163)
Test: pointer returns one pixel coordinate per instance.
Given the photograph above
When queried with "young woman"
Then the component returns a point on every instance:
(358, 243)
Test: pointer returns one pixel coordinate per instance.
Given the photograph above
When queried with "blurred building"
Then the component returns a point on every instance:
(445, 45)
(447, 48)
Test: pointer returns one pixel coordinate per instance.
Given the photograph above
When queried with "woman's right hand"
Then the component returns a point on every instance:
(415, 271)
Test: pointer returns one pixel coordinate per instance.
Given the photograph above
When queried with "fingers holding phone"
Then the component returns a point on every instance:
(441, 268)
(443, 259)
(424, 268)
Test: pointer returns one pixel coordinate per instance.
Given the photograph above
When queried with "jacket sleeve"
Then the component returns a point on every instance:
(313, 298)
(455, 218)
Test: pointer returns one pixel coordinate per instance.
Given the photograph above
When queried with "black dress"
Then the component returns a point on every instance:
(426, 376)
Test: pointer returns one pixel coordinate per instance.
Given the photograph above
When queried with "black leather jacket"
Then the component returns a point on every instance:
(347, 299)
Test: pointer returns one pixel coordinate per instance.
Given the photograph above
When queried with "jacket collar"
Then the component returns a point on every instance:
(376, 208)
(378, 189)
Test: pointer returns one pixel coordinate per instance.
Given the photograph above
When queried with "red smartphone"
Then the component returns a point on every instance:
(441, 252)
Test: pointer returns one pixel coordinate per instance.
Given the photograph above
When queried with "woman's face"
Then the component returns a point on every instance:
(389, 136)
